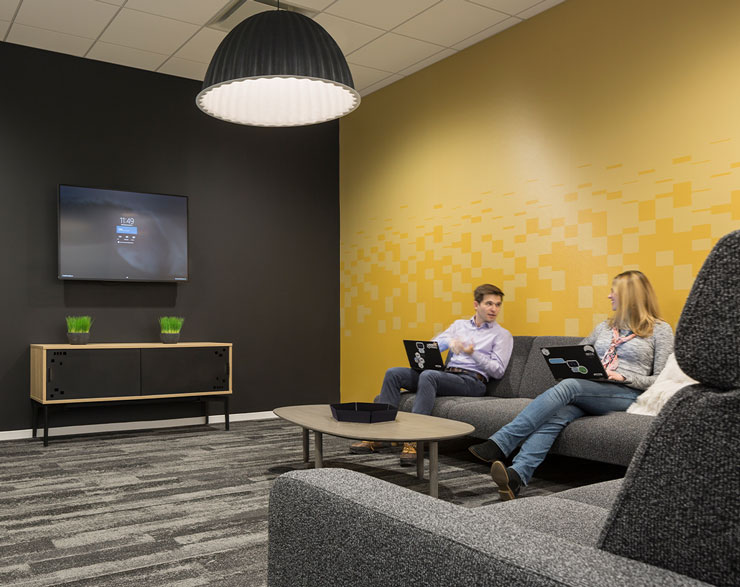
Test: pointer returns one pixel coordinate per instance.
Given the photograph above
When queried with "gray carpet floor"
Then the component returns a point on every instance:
(188, 506)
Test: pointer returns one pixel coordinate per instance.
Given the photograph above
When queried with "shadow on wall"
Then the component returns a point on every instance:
(80, 294)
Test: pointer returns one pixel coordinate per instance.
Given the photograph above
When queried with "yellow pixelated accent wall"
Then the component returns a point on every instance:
(591, 139)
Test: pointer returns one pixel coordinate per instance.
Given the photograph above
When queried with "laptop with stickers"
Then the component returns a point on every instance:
(577, 361)
(423, 355)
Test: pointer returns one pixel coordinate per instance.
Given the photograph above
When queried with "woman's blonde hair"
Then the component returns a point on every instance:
(637, 304)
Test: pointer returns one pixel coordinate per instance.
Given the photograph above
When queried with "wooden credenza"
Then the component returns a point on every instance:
(64, 374)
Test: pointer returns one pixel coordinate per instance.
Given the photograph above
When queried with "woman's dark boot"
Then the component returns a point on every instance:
(508, 481)
(487, 451)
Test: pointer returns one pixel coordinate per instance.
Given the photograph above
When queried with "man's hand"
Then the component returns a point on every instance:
(459, 347)
(614, 376)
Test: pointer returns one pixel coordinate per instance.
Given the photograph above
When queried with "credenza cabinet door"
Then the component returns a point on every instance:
(184, 370)
(74, 374)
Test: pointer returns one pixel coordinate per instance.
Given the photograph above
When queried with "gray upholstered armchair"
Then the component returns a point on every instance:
(673, 520)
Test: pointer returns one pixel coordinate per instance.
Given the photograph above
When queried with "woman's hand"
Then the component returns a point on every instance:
(614, 376)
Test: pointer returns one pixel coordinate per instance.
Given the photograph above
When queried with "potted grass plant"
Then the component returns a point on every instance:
(78, 329)
(170, 328)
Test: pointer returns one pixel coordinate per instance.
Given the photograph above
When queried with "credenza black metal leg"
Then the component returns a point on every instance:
(226, 411)
(34, 416)
(46, 425)
(204, 403)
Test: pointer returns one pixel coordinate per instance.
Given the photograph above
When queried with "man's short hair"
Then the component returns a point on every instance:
(486, 290)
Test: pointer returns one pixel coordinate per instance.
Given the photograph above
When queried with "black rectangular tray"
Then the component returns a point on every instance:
(363, 412)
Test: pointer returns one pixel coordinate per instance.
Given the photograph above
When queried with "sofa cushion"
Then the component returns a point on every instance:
(336, 527)
(572, 520)
(537, 377)
(487, 414)
(602, 494)
(508, 385)
(708, 332)
(678, 508)
(611, 438)
(442, 405)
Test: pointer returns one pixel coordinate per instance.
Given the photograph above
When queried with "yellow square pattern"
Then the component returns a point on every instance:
(554, 255)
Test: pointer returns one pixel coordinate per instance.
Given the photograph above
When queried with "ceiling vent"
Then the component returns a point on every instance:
(239, 10)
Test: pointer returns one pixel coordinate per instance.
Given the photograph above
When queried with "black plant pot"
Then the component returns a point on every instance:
(169, 337)
(78, 337)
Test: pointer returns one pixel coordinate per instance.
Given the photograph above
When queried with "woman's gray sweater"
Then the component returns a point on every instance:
(640, 359)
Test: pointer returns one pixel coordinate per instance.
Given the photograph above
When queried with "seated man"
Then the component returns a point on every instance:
(480, 349)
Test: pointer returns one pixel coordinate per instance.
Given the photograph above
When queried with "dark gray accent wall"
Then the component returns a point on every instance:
(264, 230)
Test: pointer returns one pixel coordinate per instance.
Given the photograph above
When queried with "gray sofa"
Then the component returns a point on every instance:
(673, 520)
(612, 438)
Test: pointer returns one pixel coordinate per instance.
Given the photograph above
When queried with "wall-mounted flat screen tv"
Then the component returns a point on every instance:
(112, 235)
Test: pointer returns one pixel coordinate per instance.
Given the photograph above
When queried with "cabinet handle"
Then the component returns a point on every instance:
(49, 376)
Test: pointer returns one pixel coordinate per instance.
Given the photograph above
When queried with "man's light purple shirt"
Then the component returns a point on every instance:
(492, 345)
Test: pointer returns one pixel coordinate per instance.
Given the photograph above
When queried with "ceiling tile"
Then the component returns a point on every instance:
(537, 8)
(497, 28)
(508, 6)
(83, 18)
(348, 35)
(443, 54)
(148, 32)
(184, 68)
(202, 46)
(366, 76)
(384, 14)
(311, 4)
(199, 12)
(49, 40)
(381, 84)
(450, 22)
(4, 26)
(393, 52)
(126, 56)
(8, 8)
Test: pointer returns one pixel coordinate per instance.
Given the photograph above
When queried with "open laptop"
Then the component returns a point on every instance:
(578, 361)
(423, 355)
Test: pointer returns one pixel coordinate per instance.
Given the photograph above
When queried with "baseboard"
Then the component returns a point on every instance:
(140, 425)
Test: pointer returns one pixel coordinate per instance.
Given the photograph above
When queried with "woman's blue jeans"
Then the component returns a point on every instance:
(538, 425)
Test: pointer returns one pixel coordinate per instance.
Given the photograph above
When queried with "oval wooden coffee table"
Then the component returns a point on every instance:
(406, 427)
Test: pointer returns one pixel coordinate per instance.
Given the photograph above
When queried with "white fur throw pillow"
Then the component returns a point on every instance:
(670, 380)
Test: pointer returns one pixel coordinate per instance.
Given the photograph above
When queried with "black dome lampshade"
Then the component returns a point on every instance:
(278, 68)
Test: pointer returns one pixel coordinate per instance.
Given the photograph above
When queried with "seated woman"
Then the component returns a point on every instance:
(634, 345)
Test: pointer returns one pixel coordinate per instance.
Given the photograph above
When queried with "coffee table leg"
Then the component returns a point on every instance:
(434, 468)
(420, 460)
(318, 448)
(305, 444)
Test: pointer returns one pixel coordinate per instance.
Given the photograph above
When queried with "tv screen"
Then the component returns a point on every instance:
(112, 235)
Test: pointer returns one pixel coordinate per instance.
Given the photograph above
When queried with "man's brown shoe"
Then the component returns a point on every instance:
(408, 454)
(366, 447)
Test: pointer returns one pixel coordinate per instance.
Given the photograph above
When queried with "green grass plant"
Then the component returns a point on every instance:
(170, 324)
(79, 323)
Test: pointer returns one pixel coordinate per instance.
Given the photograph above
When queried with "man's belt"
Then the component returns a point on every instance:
(459, 371)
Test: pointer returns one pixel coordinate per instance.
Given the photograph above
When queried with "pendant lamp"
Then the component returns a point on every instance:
(278, 68)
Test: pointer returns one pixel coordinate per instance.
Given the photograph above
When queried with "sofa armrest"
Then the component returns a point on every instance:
(336, 527)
